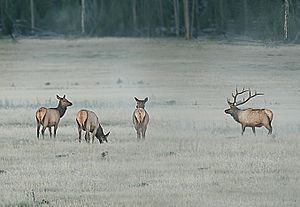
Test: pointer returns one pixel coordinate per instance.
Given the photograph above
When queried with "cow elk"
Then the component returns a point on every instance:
(249, 117)
(88, 121)
(140, 118)
(50, 117)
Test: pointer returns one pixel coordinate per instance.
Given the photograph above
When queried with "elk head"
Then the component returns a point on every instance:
(105, 137)
(140, 103)
(63, 101)
(234, 104)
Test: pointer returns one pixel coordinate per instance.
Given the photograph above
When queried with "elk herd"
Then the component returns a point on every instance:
(88, 121)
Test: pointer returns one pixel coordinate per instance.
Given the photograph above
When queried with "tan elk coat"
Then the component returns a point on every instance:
(50, 117)
(140, 118)
(88, 121)
(249, 117)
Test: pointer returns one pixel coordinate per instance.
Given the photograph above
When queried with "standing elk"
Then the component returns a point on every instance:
(249, 117)
(89, 122)
(140, 118)
(50, 117)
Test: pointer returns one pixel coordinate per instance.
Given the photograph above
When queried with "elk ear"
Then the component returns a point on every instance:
(64, 96)
(57, 96)
(135, 98)
(146, 99)
(105, 137)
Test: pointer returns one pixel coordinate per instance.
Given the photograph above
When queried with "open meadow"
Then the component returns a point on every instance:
(193, 154)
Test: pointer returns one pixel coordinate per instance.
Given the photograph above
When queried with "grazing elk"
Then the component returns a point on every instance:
(140, 117)
(249, 117)
(50, 117)
(88, 121)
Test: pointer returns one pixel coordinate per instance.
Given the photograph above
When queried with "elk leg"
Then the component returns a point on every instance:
(87, 137)
(144, 132)
(269, 127)
(79, 133)
(93, 136)
(243, 129)
(138, 133)
(253, 129)
(50, 131)
(38, 130)
(43, 132)
(55, 129)
(87, 134)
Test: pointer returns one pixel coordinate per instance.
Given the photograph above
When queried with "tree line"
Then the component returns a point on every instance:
(259, 19)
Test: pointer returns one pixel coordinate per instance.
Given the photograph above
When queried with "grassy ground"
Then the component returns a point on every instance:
(193, 153)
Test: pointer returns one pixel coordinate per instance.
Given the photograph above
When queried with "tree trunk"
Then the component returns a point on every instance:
(161, 14)
(32, 16)
(197, 17)
(193, 17)
(82, 16)
(134, 19)
(102, 10)
(2, 16)
(222, 17)
(245, 5)
(186, 19)
(176, 16)
(286, 19)
(95, 10)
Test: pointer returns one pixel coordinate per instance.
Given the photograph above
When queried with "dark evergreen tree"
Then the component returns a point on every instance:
(186, 18)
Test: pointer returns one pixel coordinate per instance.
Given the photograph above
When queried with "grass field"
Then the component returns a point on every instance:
(193, 154)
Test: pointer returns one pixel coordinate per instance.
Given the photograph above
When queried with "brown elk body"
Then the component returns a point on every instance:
(249, 117)
(140, 118)
(88, 121)
(50, 117)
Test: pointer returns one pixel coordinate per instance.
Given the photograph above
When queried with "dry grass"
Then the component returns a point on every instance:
(193, 154)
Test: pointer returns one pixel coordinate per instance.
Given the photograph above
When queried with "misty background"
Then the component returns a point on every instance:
(252, 19)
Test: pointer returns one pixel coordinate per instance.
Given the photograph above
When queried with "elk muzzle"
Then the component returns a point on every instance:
(227, 111)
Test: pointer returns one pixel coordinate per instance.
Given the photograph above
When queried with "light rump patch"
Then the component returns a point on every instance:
(81, 118)
(139, 115)
(40, 114)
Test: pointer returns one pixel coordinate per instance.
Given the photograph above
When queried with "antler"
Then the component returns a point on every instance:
(250, 96)
(234, 96)
(244, 100)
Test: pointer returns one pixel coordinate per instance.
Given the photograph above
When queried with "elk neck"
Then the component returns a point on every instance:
(140, 107)
(61, 109)
(235, 114)
(99, 132)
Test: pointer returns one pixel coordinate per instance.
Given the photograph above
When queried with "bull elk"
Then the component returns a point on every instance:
(140, 118)
(50, 117)
(89, 122)
(249, 117)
